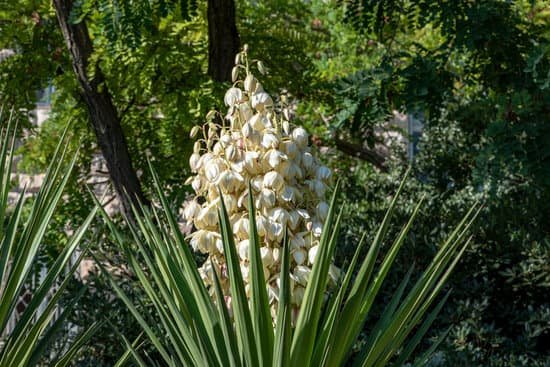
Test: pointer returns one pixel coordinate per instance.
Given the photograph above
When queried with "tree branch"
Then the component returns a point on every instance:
(376, 157)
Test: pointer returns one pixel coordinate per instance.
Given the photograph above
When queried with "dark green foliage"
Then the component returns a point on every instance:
(478, 72)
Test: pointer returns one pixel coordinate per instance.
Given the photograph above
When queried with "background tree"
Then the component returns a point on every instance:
(223, 39)
(104, 117)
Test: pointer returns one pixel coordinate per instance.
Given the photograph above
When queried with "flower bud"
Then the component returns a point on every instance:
(234, 74)
(194, 162)
(286, 126)
(249, 83)
(230, 152)
(261, 67)
(197, 184)
(194, 131)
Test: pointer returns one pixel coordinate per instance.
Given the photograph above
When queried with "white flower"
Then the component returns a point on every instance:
(206, 272)
(199, 241)
(299, 256)
(303, 213)
(274, 158)
(245, 272)
(230, 152)
(287, 193)
(261, 224)
(318, 187)
(267, 256)
(251, 162)
(194, 131)
(301, 274)
(317, 229)
(247, 130)
(241, 228)
(191, 209)
(261, 100)
(334, 274)
(276, 257)
(307, 161)
(207, 217)
(297, 241)
(256, 122)
(243, 249)
(273, 180)
(293, 219)
(212, 171)
(278, 215)
(245, 112)
(323, 173)
(275, 231)
(300, 137)
(266, 199)
(233, 96)
(197, 147)
(230, 181)
(290, 148)
(270, 140)
(322, 210)
(226, 139)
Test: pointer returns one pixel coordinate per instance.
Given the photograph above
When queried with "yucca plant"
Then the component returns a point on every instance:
(189, 328)
(21, 235)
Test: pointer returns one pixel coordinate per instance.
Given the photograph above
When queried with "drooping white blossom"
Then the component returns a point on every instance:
(255, 142)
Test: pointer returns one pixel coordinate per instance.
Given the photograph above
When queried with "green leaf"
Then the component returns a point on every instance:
(261, 315)
(239, 301)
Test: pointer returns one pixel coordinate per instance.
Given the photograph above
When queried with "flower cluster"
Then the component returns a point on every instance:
(255, 143)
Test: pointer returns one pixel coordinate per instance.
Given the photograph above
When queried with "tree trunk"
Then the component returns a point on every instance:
(103, 114)
(223, 39)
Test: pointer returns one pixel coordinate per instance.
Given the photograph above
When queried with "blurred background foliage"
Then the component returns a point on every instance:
(476, 73)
